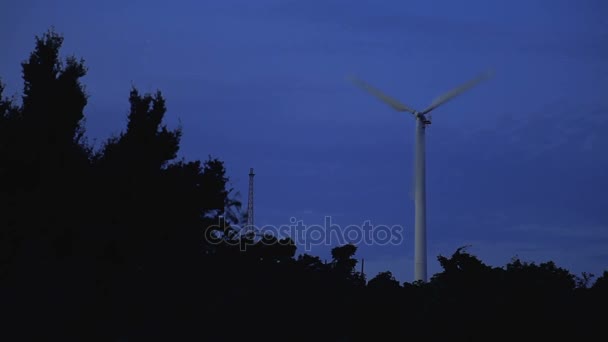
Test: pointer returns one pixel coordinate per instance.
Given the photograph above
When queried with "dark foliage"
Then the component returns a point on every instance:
(128, 243)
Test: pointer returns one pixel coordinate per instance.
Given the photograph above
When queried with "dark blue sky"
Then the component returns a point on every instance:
(516, 166)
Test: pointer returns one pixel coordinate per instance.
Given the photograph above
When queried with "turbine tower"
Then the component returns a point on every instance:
(422, 120)
(250, 226)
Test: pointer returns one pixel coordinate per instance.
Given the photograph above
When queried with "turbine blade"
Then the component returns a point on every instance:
(380, 95)
(457, 91)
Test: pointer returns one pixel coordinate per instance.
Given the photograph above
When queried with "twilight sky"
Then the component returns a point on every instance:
(516, 166)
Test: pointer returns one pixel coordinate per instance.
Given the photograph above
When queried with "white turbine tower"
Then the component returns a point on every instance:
(422, 120)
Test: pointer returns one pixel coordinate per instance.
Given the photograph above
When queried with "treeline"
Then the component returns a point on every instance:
(127, 242)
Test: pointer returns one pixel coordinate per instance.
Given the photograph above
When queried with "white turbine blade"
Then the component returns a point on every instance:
(457, 91)
(383, 97)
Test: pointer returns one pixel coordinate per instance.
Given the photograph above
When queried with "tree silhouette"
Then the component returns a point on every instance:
(601, 283)
(44, 156)
(384, 281)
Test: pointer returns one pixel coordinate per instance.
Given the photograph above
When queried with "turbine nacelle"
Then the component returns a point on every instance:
(425, 120)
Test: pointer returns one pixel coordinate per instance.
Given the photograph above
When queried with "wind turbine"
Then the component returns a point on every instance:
(422, 120)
